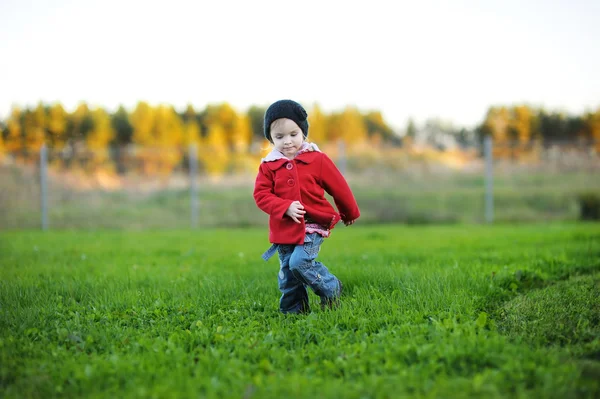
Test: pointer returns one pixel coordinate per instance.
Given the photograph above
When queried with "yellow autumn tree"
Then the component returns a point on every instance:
(214, 153)
(99, 138)
(169, 127)
(226, 117)
(34, 130)
(57, 126)
(14, 142)
(241, 159)
(334, 127)
(191, 133)
(242, 135)
(191, 129)
(159, 135)
(227, 133)
(317, 121)
(496, 124)
(142, 121)
(168, 135)
(520, 123)
(82, 123)
(521, 119)
(352, 126)
(497, 121)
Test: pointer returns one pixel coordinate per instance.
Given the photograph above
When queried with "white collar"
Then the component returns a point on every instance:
(275, 154)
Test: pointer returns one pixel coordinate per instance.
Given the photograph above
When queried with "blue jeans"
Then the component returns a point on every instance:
(299, 269)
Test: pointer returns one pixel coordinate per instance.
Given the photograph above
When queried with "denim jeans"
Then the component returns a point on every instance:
(299, 269)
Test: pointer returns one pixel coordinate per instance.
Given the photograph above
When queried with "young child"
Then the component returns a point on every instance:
(290, 187)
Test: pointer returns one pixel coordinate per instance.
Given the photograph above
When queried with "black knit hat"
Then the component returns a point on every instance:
(286, 109)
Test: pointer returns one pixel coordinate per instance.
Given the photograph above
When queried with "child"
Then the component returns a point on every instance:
(290, 187)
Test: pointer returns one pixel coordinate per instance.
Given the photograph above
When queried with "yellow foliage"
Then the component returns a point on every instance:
(244, 163)
(352, 126)
(168, 129)
(142, 121)
(242, 135)
(214, 152)
(78, 117)
(521, 122)
(57, 125)
(497, 123)
(317, 131)
(80, 112)
(224, 116)
(191, 133)
(191, 129)
(102, 133)
(34, 125)
(161, 136)
(14, 139)
(157, 129)
(348, 126)
(99, 138)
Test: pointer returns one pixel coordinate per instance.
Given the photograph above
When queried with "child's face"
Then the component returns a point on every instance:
(287, 137)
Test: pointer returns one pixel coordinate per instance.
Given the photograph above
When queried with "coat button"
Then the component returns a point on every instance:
(290, 182)
(289, 166)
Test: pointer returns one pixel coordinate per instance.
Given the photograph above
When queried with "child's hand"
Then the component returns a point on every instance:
(349, 222)
(296, 211)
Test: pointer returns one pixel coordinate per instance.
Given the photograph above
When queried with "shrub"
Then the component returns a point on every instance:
(589, 206)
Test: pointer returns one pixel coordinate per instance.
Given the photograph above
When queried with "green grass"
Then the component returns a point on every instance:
(432, 311)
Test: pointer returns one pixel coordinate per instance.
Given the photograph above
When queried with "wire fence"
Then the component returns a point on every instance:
(177, 188)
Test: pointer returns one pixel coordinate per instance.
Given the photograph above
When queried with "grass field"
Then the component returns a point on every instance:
(433, 311)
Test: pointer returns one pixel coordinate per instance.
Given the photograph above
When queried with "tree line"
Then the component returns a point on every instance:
(227, 140)
(224, 138)
(514, 127)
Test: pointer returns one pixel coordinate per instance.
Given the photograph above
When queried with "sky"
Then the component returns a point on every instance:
(450, 60)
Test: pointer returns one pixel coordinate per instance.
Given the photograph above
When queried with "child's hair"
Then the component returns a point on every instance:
(286, 109)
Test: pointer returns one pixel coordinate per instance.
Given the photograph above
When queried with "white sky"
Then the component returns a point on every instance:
(419, 59)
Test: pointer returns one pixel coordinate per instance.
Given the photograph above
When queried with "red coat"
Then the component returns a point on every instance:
(306, 179)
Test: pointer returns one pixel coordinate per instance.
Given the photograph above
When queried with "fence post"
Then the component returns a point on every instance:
(342, 156)
(44, 185)
(194, 203)
(489, 180)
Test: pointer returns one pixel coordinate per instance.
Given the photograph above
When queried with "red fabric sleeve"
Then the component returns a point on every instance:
(264, 196)
(335, 184)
